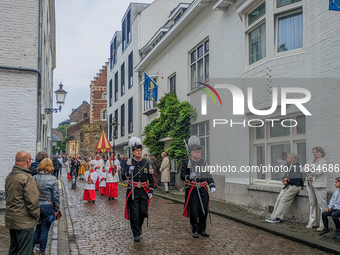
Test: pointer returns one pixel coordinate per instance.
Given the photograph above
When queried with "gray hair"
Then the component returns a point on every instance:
(294, 156)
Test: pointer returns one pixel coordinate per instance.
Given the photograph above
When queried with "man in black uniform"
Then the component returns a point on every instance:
(196, 168)
(138, 199)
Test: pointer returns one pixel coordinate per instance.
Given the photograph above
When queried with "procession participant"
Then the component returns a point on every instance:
(112, 177)
(75, 164)
(82, 168)
(102, 181)
(138, 194)
(196, 180)
(98, 163)
(68, 164)
(91, 177)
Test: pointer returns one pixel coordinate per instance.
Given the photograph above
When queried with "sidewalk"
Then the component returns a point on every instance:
(290, 229)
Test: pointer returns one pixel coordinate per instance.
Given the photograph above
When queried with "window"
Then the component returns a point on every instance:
(110, 92)
(149, 104)
(172, 81)
(104, 95)
(122, 79)
(257, 34)
(130, 115)
(289, 29)
(122, 120)
(115, 128)
(126, 30)
(201, 130)
(110, 127)
(199, 64)
(104, 113)
(116, 86)
(267, 39)
(113, 52)
(130, 71)
(271, 140)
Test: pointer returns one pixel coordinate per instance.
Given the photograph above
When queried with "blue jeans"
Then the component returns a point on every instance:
(41, 231)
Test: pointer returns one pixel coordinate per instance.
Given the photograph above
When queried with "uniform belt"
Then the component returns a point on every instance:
(138, 184)
(199, 184)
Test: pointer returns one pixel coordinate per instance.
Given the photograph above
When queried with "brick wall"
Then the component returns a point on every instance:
(74, 128)
(81, 112)
(98, 103)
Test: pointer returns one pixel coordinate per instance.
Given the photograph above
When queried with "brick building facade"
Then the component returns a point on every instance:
(98, 111)
(80, 113)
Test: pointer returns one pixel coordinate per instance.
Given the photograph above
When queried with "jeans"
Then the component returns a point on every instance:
(334, 214)
(21, 241)
(41, 231)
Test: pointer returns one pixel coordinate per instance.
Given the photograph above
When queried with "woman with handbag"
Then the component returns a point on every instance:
(47, 185)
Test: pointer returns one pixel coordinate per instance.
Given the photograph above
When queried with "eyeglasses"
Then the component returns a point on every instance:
(316, 152)
(30, 159)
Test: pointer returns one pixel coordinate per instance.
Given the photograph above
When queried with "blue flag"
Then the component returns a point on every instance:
(334, 5)
(150, 89)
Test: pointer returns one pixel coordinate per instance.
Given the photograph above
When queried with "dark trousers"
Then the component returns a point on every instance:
(334, 214)
(154, 175)
(21, 241)
(60, 168)
(195, 209)
(56, 173)
(138, 210)
(41, 231)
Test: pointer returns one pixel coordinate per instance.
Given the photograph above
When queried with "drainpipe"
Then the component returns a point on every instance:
(39, 74)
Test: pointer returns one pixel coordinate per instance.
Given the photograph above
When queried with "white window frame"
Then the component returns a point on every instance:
(272, 13)
(203, 57)
(292, 139)
(169, 80)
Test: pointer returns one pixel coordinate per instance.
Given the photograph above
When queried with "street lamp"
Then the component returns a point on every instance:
(114, 125)
(60, 94)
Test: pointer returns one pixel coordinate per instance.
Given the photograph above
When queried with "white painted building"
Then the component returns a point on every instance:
(27, 58)
(140, 22)
(261, 45)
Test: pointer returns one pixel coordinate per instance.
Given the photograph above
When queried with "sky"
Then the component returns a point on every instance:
(84, 29)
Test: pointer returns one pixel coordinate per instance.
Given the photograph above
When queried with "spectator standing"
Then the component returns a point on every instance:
(75, 164)
(316, 186)
(155, 166)
(333, 210)
(22, 205)
(61, 162)
(49, 194)
(40, 156)
(55, 162)
(165, 172)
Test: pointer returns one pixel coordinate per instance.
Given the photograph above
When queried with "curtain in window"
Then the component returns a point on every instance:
(290, 32)
(281, 3)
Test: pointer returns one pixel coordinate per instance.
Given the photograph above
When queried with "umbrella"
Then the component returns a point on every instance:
(103, 144)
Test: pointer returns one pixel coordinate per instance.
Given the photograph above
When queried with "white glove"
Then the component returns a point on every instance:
(150, 195)
(131, 168)
(213, 190)
(193, 175)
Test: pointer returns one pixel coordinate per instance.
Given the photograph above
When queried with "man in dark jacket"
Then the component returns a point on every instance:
(55, 162)
(155, 167)
(22, 205)
(40, 156)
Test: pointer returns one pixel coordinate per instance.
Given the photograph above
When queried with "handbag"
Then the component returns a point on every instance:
(57, 214)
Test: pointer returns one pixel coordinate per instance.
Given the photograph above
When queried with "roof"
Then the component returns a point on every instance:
(57, 135)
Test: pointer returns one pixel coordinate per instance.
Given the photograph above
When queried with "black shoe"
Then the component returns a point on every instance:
(336, 234)
(205, 234)
(195, 234)
(112, 198)
(324, 232)
(136, 239)
(109, 198)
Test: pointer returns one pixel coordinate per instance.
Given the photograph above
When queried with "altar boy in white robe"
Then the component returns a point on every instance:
(91, 178)
(112, 177)
(102, 181)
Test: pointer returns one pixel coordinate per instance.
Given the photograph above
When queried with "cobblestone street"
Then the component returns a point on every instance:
(101, 228)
